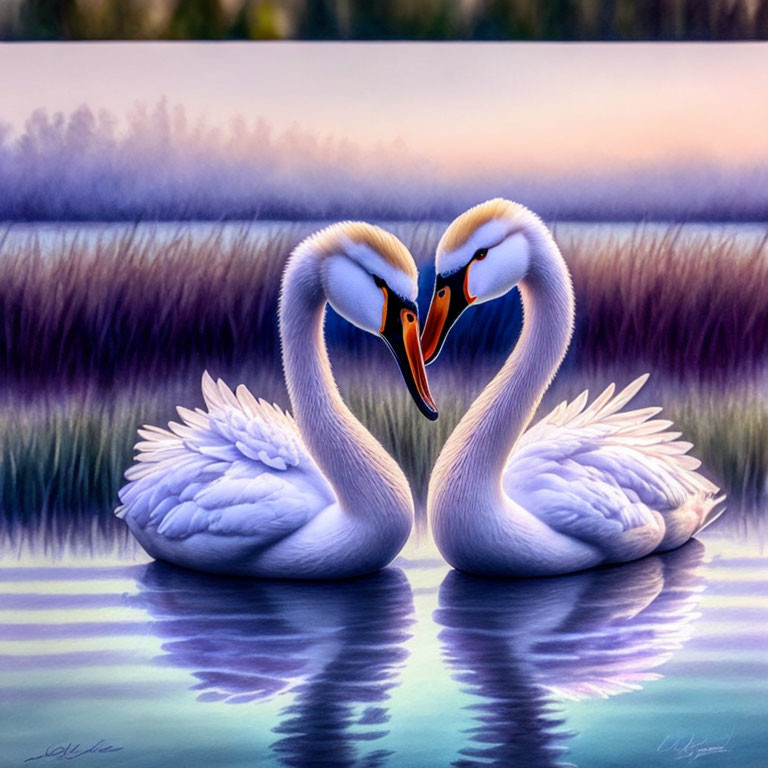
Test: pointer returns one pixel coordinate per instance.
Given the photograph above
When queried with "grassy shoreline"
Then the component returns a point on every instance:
(62, 458)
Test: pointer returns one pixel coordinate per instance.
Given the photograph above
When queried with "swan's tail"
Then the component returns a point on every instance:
(712, 514)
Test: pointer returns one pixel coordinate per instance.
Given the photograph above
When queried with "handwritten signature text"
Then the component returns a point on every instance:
(691, 748)
(72, 751)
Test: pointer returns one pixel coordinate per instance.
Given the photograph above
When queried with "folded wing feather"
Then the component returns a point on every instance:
(239, 468)
(595, 471)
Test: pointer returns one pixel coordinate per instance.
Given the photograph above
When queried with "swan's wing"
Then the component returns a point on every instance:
(595, 472)
(238, 469)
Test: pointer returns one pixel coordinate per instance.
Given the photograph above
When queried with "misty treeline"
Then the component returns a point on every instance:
(160, 164)
(390, 19)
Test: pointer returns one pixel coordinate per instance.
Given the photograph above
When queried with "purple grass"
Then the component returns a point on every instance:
(135, 306)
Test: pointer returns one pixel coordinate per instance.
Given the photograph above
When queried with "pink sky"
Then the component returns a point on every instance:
(523, 106)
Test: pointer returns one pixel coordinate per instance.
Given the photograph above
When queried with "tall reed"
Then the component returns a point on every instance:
(139, 305)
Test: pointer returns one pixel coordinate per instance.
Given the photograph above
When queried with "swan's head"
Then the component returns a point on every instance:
(370, 279)
(484, 253)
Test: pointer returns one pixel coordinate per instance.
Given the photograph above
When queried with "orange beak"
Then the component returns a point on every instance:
(400, 330)
(433, 328)
(450, 299)
(415, 357)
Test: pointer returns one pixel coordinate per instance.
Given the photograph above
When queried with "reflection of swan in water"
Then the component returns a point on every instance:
(335, 646)
(520, 646)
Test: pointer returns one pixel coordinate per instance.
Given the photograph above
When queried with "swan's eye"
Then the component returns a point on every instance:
(481, 254)
(441, 293)
(379, 282)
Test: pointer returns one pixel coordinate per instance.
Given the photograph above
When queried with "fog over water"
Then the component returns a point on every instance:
(161, 164)
(405, 131)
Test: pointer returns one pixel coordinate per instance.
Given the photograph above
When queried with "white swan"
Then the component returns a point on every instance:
(243, 488)
(584, 486)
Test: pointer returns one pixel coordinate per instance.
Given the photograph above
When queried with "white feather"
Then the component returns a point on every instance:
(211, 449)
(619, 469)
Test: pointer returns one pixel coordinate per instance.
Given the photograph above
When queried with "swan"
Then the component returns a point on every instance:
(588, 484)
(244, 489)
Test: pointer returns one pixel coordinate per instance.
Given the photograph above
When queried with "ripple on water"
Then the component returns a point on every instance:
(537, 673)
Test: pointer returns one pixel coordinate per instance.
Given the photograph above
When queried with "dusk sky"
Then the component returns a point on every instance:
(544, 106)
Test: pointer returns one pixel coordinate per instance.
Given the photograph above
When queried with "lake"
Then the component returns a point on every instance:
(58, 236)
(640, 665)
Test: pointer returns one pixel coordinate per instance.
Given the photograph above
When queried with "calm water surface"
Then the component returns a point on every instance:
(55, 237)
(656, 662)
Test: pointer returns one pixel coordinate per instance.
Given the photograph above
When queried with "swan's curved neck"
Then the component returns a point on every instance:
(366, 479)
(493, 424)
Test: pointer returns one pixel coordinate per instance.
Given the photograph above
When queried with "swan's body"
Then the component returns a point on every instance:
(587, 485)
(244, 489)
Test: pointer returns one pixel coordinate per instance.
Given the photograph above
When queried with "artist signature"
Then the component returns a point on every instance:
(692, 748)
(72, 751)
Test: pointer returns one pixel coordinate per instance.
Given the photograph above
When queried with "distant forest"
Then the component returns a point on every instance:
(160, 164)
(384, 19)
